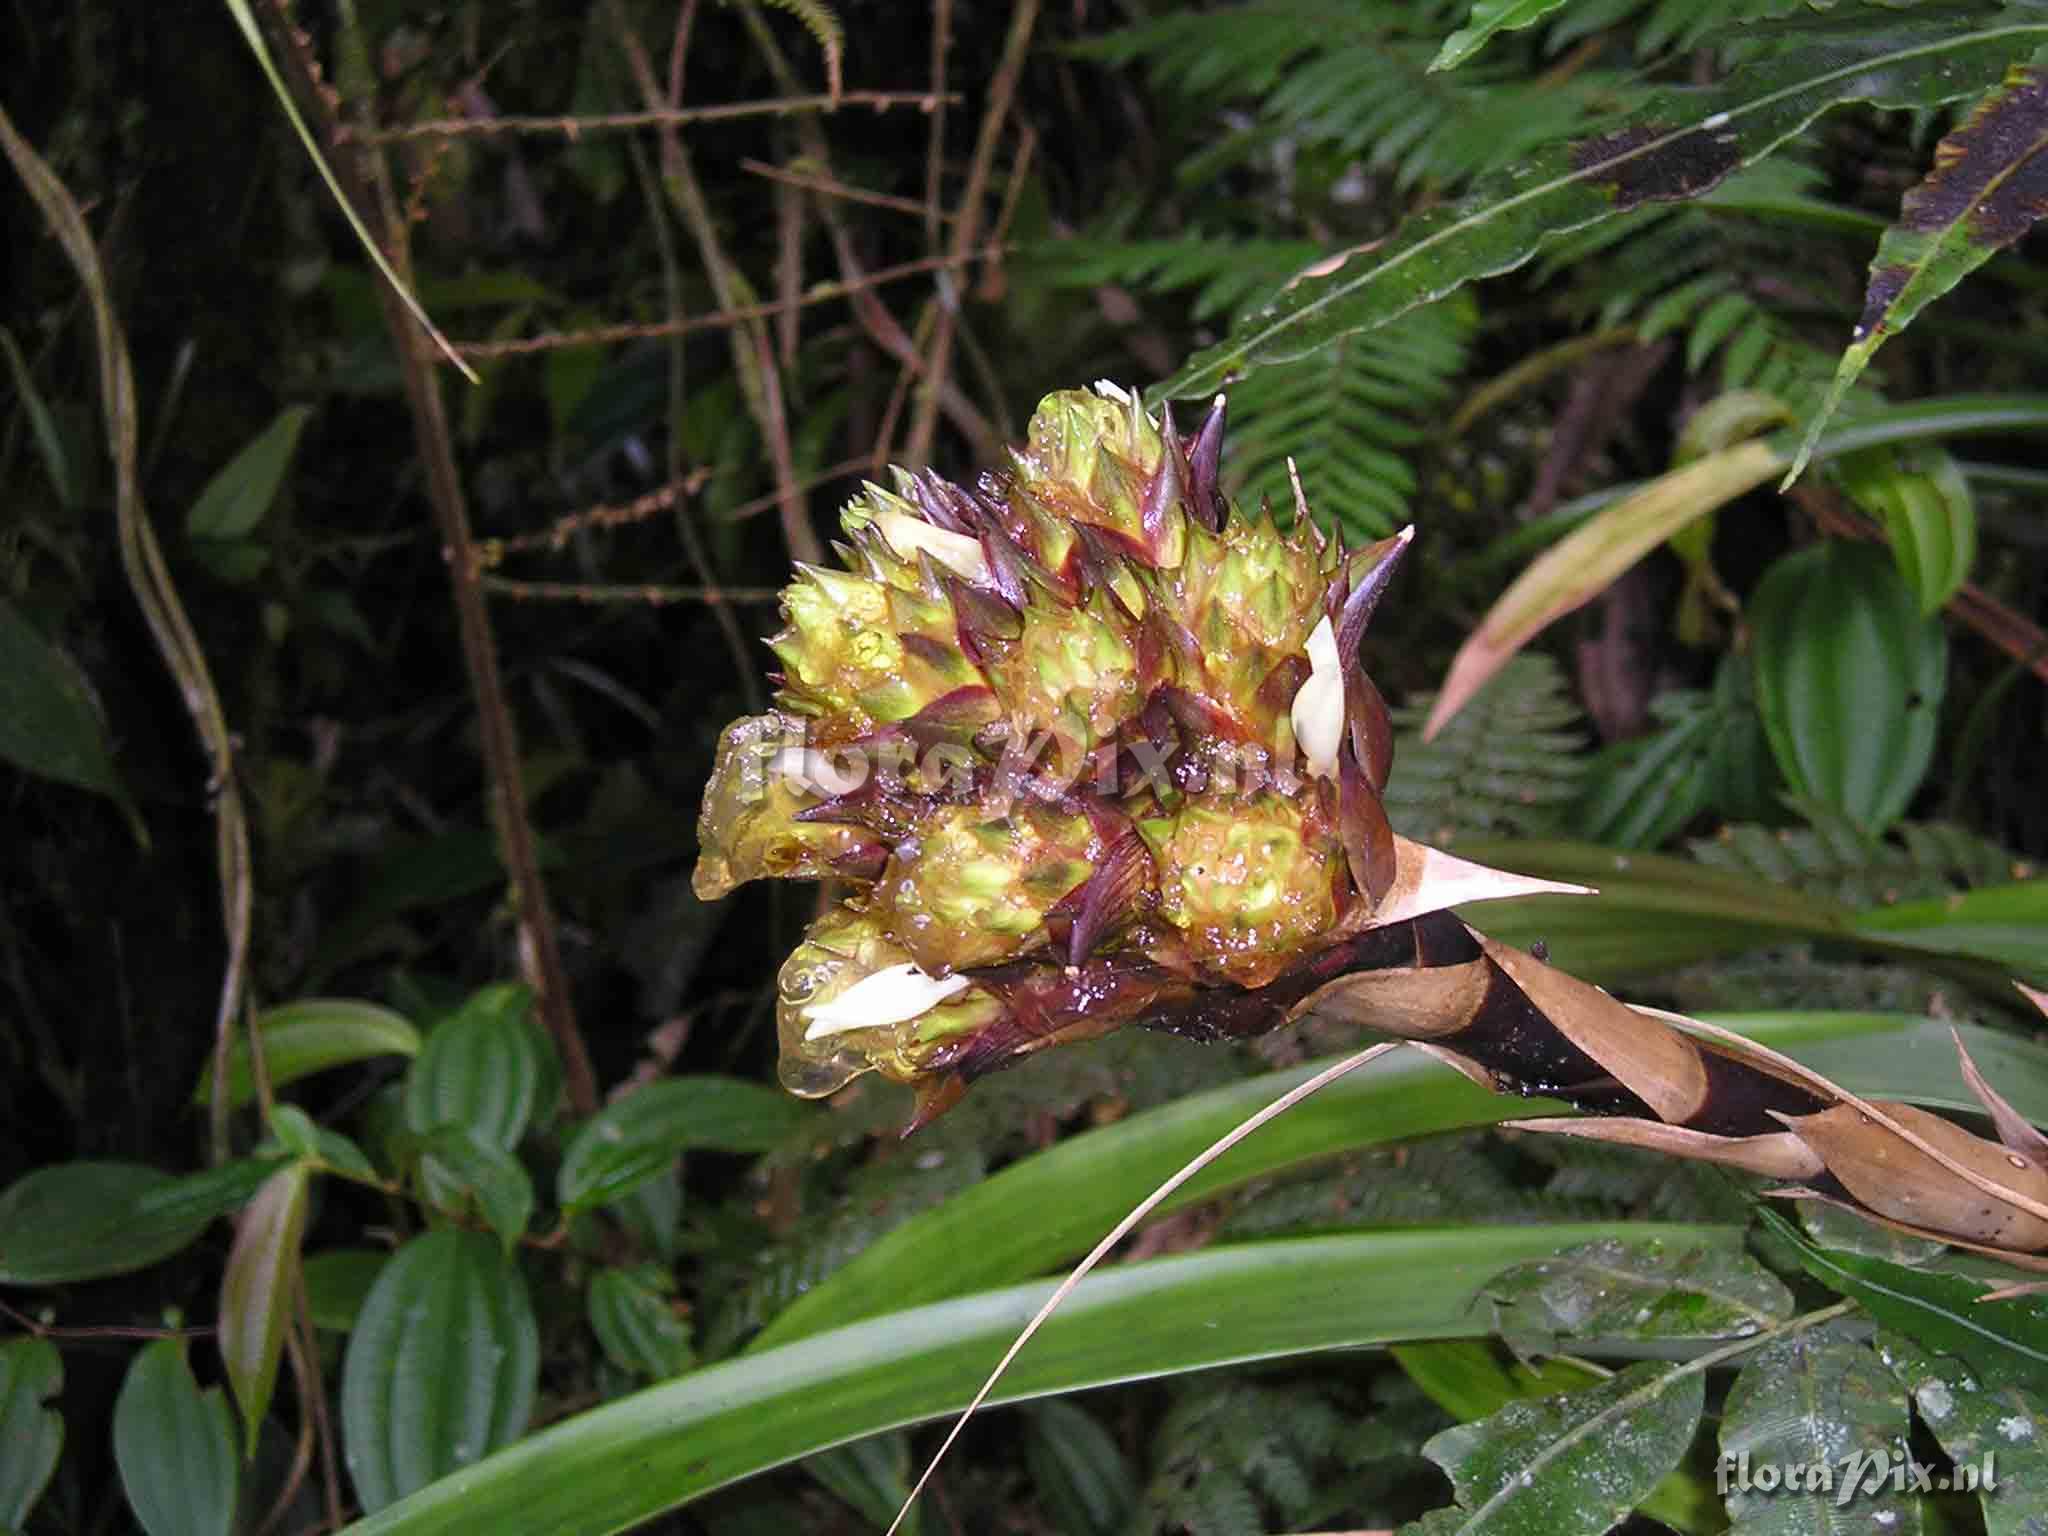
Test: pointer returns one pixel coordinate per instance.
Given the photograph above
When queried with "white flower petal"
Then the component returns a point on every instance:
(1318, 709)
(956, 551)
(1110, 390)
(889, 996)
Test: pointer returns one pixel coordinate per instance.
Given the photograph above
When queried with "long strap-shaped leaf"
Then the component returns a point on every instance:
(1681, 144)
(617, 1465)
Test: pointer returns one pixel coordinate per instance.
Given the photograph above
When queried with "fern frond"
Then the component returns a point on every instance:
(1355, 78)
(1507, 764)
(1832, 858)
(1345, 414)
(1227, 274)
(1228, 1448)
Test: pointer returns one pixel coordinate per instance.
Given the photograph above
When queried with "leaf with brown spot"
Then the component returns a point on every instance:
(1987, 187)
(1683, 141)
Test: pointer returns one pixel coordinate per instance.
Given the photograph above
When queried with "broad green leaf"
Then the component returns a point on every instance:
(633, 1140)
(1576, 1463)
(1834, 1226)
(2000, 1433)
(1081, 1477)
(31, 1435)
(1655, 912)
(338, 1281)
(85, 1220)
(1999, 923)
(483, 1067)
(49, 441)
(1616, 1289)
(1926, 507)
(1489, 17)
(635, 1319)
(49, 724)
(294, 1131)
(1983, 193)
(1681, 143)
(258, 1290)
(238, 496)
(175, 1446)
(441, 1367)
(308, 1036)
(2004, 1342)
(1467, 1379)
(622, 1463)
(1809, 1400)
(460, 1167)
(1079, 1188)
(1849, 679)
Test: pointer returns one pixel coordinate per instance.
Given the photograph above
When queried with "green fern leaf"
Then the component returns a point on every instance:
(1345, 415)
(1506, 765)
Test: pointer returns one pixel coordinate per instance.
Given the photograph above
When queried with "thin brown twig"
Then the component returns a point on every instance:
(574, 127)
(42, 1330)
(1002, 89)
(753, 359)
(935, 145)
(606, 335)
(368, 184)
(874, 317)
(654, 594)
(744, 661)
(827, 186)
(490, 553)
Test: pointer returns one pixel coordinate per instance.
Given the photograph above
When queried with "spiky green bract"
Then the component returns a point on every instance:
(1046, 726)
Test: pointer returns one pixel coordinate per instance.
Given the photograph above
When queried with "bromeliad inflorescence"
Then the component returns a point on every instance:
(1090, 745)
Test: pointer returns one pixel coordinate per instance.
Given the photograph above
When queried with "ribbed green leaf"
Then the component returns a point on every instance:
(1983, 193)
(175, 1446)
(634, 1317)
(630, 1459)
(1849, 679)
(31, 1435)
(237, 497)
(1489, 17)
(871, 1477)
(1081, 1477)
(460, 1167)
(484, 1067)
(629, 1142)
(1999, 1433)
(1575, 1463)
(1926, 507)
(85, 1220)
(1811, 1399)
(441, 1367)
(1680, 144)
(49, 724)
(308, 1036)
(259, 1288)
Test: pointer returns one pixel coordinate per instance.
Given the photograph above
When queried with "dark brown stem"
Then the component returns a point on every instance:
(540, 952)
